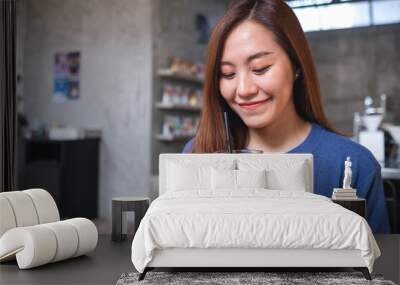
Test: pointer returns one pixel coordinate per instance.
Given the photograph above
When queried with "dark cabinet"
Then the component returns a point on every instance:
(392, 195)
(68, 169)
(357, 205)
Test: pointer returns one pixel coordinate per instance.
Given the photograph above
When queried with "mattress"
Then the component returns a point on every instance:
(250, 219)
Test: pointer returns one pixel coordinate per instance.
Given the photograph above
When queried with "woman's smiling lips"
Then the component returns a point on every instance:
(253, 105)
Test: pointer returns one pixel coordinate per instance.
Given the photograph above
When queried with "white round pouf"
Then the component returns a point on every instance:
(33, 246)
(23, 208)
(45, 205)
(31, 233)
(67, 240)
(87, 233)
(7, 215)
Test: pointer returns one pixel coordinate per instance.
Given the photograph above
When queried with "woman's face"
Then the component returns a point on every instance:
(256, 76)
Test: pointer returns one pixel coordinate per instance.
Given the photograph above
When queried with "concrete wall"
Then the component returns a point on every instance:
(114, 39)
(353, 64)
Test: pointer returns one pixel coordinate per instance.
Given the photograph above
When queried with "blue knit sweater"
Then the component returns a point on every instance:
(330, 151)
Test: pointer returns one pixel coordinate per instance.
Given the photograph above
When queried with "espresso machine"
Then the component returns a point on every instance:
(366, 127)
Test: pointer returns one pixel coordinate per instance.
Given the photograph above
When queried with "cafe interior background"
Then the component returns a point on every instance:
(104, 87)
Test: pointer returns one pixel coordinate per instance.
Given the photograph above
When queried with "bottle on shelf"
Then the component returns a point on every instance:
(178, 96)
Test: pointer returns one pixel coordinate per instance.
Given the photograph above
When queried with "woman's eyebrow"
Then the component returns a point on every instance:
(250, 58)
(258, 55)
(227, 63)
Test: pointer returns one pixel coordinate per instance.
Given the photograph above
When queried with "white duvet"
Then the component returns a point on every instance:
(251, 218)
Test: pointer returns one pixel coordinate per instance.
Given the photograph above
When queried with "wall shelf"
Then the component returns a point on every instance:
(175, 117)
(168, 73)
(163, 106)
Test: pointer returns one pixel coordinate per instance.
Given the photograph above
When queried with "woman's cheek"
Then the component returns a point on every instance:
(227, 90)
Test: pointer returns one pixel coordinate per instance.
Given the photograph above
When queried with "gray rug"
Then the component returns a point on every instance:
(228, 278)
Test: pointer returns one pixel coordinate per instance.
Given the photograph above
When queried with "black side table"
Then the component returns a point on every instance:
(357, 205)
(120, 205)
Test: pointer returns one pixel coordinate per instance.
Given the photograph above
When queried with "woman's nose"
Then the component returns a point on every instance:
(246, 86)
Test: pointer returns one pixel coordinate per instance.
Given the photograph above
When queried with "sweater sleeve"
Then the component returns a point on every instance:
(188, 146)
(377, 215)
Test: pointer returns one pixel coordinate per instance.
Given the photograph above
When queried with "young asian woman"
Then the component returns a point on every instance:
(260, 71)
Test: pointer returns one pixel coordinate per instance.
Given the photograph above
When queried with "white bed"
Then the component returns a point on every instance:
(202, 220)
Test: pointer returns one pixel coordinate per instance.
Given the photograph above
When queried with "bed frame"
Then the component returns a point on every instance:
(243, 259)
(246, 258)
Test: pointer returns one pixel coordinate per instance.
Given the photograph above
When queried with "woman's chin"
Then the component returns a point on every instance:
(256, 123)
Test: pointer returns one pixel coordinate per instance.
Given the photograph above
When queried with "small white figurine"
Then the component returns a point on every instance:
(347, 174)
(346, 192)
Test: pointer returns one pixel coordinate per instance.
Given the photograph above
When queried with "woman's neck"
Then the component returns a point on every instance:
(281, 136)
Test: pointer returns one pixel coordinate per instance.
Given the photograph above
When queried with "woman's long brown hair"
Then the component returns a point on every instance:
(278, 18)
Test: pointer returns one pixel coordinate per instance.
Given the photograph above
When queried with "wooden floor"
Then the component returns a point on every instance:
(110, 260)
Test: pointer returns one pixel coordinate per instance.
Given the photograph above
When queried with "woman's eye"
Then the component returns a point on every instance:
(261, 70)
(228, 75)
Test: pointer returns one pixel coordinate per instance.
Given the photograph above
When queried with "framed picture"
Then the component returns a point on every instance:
(66, 76)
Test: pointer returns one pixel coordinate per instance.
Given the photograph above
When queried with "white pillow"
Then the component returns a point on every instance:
(227, 179)
(281, 174)
(182, 177)
(293, 179)
(223, 179)
(251, 178)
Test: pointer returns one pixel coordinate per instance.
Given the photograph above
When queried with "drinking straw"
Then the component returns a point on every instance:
(227, 133)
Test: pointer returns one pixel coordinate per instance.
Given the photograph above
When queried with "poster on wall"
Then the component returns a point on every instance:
(66, 76)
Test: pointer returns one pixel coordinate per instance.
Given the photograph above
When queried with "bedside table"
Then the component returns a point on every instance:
(357, 205)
